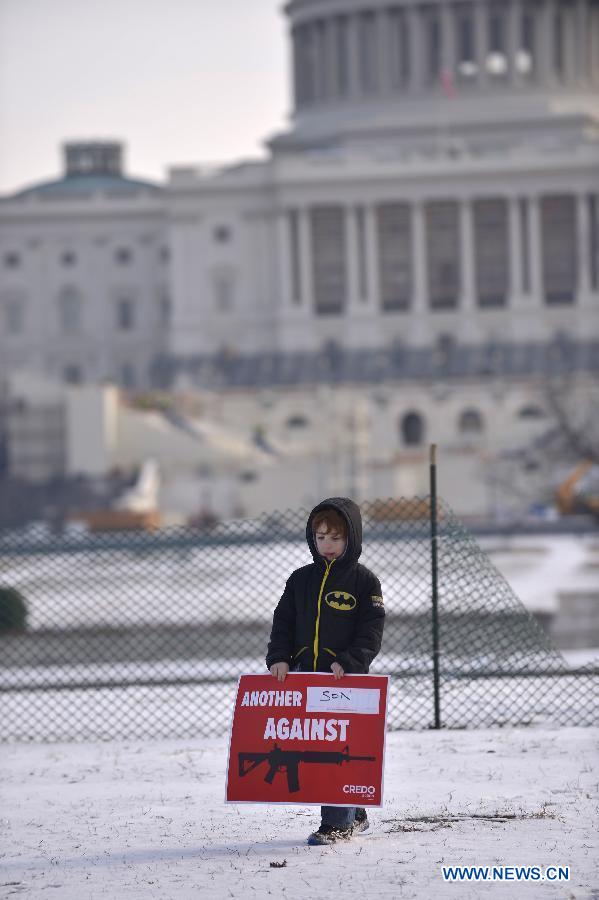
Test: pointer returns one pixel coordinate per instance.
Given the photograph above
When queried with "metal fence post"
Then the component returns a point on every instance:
(434, 582)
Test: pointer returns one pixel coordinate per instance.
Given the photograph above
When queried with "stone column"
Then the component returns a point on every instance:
(305, 259)
(535, 251)
(515, 249)
(468, 274)
(481, 39)
(419, 262)
(416, 48)
(372, 259)
(583, 240)
(351, 259)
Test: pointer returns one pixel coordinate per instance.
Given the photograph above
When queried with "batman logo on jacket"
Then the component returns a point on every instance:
(340, 600)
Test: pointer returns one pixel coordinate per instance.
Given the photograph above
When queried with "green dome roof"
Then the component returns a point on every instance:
(74, 186)
(90, 167)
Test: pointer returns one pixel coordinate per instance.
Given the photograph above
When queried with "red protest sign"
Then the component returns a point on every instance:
(308, 740)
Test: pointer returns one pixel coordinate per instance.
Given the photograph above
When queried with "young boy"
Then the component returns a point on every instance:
(312, 634)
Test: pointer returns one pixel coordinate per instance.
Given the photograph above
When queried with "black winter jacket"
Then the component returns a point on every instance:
(330, 611)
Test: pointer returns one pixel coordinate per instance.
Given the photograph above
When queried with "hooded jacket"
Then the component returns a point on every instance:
(329, 610)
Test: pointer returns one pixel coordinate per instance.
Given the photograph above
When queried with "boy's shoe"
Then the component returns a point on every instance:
(361, 823)
(329, 834)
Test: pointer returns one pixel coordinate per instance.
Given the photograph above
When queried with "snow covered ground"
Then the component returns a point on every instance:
(119, 587)
(148, 820)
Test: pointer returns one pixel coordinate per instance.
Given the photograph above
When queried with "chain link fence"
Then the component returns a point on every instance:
(122, 635)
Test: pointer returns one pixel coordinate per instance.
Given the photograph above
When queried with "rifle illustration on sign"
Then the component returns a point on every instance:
(288, 761)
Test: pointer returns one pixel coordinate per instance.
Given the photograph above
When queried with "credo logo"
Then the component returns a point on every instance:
(359, 789)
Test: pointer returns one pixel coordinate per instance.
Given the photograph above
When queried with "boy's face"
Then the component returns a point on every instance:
(329, 544)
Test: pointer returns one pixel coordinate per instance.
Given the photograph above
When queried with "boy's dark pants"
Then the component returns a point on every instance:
(339, 816)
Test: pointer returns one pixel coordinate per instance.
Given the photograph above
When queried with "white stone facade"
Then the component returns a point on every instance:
(437, 194)
(440, 179)
(84, 284)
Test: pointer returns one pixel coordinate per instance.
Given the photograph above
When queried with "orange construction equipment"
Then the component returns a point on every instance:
(579, 493)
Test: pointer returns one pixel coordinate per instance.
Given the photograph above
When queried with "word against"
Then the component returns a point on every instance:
(354, 700)
(505, 873)
(306, 729)
(272, 698)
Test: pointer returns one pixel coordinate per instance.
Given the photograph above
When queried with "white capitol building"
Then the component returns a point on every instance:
(431, 216)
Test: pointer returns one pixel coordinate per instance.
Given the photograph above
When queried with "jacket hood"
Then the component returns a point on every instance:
(351, 513)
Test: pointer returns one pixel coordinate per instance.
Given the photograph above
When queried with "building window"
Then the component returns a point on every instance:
(14, 315)
(400, 48)
(321, 51)
(531, 412)
(525, 239)
(433, 44)
(496, 59)
(223, 285)
(297, 421)
(127, 375)
(558, 43)
(12, 260)
(362, 265)
(221, 234)
(70, 310)
(412, 429)
(164, 308)
(444, 350)
(496, 31)
(367, 51)
(491, 252)
(443, 254)
(68, 258)
(559, 251)
(304, 64)
(72, 374)
(525, 57)
(593, 241)
(470, 422)
(123, 256)
(328, 259)
(296, 284)
(466, 50)
(125, 314)
(395, 256)
(341, 55)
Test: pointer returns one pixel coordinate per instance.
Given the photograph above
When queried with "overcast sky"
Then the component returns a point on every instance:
(179, 81)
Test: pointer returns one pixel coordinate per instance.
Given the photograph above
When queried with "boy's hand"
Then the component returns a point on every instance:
(279, 670)
(337, 671)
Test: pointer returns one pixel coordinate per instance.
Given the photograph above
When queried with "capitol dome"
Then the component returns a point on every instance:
(382, 69)
(90, 167)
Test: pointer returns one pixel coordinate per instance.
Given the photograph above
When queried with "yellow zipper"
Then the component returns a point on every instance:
(326, 575)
